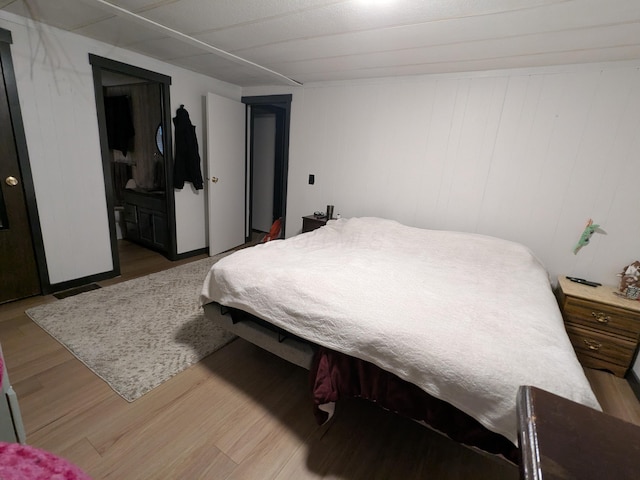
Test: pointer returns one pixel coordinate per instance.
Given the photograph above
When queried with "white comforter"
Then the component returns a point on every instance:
(467, 318)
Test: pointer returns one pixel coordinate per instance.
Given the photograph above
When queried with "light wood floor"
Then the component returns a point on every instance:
(241, 413)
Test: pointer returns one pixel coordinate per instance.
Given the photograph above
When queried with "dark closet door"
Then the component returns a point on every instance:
(18, 268)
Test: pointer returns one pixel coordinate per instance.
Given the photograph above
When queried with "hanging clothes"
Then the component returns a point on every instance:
(186, 166)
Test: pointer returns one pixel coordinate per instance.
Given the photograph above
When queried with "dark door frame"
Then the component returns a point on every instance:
(23, 159)
(281, 105)
(99, 64)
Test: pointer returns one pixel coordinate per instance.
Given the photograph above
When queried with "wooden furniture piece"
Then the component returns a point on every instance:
(604, 328)
(561, 439)
(311, 222)
(11, 426)
(145, 215)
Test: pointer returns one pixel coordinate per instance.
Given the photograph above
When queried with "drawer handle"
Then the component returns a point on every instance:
(600, 317)
(592, 345)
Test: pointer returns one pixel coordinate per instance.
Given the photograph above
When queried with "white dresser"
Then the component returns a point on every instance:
(11, 427)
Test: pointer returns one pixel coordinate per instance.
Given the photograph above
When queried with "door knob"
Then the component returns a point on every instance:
(11, 181)
(214, 179)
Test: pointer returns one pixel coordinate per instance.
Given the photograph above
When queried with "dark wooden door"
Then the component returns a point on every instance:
(18, 268)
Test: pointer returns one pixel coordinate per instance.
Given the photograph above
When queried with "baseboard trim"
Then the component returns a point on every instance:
(78, 282)
(76, 291)
(192, 253)
(633, 380)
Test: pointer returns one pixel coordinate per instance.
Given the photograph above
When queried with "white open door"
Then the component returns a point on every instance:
(226, 173)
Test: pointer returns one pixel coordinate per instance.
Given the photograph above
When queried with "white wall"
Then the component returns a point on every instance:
(55, 86)
(528, 156)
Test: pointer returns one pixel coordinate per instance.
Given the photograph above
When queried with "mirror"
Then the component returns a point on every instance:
(159, 140)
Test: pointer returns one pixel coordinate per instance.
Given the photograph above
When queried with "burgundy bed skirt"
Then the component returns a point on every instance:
(336, 376)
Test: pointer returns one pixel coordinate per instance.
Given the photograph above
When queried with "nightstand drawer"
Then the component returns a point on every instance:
(610, 348)
(602, 317)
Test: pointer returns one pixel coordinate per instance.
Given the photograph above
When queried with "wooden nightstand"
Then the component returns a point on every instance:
(311, 222)
(604, 329)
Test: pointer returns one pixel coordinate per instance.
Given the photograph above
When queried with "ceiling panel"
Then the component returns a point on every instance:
(227, 70)
(316, 40)
(508, 27)
(141, 5)
(191, 16)
(523, 61)
(118, 31)
(166, 48)
(64, 14)
(383, 51)
(341, 18)
(492, 50)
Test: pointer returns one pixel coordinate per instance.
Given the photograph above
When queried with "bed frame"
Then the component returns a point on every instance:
(365, 381)
(263, 334)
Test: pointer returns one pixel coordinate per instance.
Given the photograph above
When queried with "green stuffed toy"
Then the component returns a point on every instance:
(589, 230)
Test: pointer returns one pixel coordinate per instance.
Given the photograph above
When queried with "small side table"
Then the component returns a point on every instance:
(311, 222)
(604, 328)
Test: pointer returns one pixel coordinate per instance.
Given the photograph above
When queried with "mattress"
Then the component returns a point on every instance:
(467, 318)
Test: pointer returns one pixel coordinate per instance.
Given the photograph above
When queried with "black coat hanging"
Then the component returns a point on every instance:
(187, 159)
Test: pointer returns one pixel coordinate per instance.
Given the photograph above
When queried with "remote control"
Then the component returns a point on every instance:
(584, 282)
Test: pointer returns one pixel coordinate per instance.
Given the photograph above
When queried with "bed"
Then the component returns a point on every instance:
(441, 326)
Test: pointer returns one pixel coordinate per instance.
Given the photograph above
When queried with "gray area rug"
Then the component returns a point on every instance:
(139, 333)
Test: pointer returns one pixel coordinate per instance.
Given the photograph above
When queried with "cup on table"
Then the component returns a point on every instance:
(329, 212)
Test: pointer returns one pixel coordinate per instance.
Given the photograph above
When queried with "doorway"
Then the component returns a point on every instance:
(24, 271)
(268, 160)
(134, 124)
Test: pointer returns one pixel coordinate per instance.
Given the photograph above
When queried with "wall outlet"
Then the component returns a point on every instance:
(312, 179)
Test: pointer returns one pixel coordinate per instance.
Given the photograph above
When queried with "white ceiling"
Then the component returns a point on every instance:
(275, 42)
